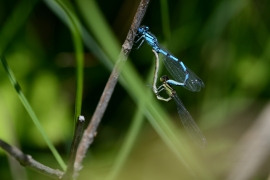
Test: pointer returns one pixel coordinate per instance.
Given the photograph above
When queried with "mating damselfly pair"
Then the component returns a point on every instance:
(183, 77)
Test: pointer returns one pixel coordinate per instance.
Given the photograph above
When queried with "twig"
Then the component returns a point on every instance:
(75, 143)
(28, 161)
(90, 132)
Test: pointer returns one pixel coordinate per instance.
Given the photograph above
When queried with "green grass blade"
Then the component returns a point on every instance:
(76, 36)
(31, 112)
(95, 21)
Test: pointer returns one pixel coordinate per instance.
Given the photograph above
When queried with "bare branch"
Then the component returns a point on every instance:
(75, 143)
(28, 161)
(90, 132)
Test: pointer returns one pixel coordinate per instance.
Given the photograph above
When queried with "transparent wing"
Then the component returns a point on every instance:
(194, 83)
(191, 127)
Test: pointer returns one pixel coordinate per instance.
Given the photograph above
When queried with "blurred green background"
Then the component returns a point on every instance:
(226, 43)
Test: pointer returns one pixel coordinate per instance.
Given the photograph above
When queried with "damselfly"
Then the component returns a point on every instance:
(191, 127)
(183, 76)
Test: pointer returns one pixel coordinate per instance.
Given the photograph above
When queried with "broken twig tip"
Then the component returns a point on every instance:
(81, 118)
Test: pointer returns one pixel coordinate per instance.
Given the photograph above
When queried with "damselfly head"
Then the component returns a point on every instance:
(164, 78)
(143, 29)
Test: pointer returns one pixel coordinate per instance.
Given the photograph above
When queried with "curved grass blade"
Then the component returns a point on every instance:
(31, 112)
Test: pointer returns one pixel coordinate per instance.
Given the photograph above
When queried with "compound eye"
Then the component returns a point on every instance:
(164, 78)
(140, 30)
(146, 28)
